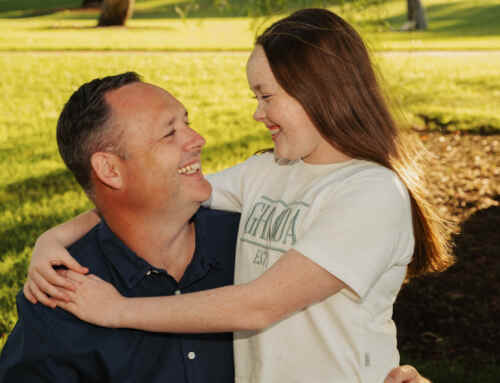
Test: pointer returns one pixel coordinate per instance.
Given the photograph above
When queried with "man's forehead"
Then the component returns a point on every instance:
(131, 98)
(134, 92)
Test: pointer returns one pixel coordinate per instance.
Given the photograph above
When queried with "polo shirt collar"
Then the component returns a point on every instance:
(132, 268)
(205, 255)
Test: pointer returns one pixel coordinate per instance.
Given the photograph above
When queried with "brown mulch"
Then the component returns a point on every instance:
(456, 314)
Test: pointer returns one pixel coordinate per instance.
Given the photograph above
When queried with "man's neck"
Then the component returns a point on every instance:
(166, 241)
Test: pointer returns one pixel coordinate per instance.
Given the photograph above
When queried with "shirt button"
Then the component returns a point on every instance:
(177, 292)
(148, 272)
(191, 355)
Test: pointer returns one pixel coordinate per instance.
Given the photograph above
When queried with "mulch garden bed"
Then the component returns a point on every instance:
(455, 315)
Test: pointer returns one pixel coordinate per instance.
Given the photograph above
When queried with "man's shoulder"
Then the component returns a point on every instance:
(87, 250)
(224, 216)
(217, 221)
(217, 228)
(55, 328)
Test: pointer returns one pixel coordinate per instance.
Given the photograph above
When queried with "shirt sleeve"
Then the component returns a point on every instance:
(361, 229)
(42, 348)
(228, 187)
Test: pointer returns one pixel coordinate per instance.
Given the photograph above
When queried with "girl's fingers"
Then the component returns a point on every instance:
(47, 288)
(95, 278)
(28, 294)
(51, 276)
(71, 264)
(76, 278)
(41, 296)
(68, 306)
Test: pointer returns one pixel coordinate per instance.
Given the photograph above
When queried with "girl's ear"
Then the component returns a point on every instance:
(106, 167)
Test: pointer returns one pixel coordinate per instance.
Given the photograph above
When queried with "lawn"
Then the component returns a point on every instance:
(453, 25)
(37, 192)
(455, 92)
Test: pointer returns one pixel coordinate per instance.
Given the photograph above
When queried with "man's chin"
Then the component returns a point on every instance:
(205, 194)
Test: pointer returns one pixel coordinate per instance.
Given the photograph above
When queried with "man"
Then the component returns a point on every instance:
(130, 147)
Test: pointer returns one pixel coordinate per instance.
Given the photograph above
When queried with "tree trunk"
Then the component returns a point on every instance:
(416, 15)
(115, 12)
(91, 3)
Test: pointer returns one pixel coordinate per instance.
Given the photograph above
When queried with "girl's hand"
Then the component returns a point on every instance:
(43, 284)
(405, 374)
(93, 300)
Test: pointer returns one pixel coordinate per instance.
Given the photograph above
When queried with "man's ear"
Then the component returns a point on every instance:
(107, 169)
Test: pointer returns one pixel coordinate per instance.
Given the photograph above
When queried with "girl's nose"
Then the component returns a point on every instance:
(259, 114)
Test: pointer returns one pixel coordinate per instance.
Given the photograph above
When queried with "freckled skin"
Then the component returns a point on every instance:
(297, 137)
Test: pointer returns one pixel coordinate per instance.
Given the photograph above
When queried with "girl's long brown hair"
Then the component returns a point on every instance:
(321, 61)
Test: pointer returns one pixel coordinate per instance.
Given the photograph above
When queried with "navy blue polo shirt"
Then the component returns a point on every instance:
(54, 346)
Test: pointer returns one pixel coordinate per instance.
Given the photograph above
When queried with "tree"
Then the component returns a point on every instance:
(416, 16)
(91, 3)
(115, 12)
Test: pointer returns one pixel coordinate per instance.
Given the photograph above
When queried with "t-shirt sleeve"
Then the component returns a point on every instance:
(361, 229)
(228, 187)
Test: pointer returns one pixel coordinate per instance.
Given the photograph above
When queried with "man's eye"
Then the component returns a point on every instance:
(171, 133)
(188, 123)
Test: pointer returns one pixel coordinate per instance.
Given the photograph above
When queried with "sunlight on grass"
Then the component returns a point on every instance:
(459, 89)
(463, 25)
(37, 192)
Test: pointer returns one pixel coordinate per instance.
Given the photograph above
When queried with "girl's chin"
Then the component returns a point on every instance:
(282, 159)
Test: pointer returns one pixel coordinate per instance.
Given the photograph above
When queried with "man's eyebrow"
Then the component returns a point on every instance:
(257, 88)
(174, 118)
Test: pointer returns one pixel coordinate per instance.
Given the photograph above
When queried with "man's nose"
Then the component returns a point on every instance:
(194, 141)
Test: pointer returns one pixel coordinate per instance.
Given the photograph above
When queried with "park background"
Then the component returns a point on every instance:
(445, 81)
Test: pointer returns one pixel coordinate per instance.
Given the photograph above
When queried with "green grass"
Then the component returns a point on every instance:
(453, 25)
(36, 192)
(461, 92)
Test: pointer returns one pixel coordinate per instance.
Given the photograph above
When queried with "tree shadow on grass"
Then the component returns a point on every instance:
(167, 9)
(34, 189)
(87, 27)
(455, 315)
(36, 13)
(471, 21)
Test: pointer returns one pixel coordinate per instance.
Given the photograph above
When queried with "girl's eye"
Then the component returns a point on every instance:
(263, 97)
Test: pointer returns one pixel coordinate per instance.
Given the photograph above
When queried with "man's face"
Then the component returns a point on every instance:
(162, 167)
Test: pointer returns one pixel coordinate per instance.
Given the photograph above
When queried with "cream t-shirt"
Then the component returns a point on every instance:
(351, 218)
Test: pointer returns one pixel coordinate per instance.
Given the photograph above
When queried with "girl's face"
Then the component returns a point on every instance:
(292, 131)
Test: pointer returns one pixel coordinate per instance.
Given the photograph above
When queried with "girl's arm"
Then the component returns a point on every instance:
(354, 252)
(43, 281)
(291, 284)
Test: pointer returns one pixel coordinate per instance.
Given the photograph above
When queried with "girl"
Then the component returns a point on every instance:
(333, 221)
